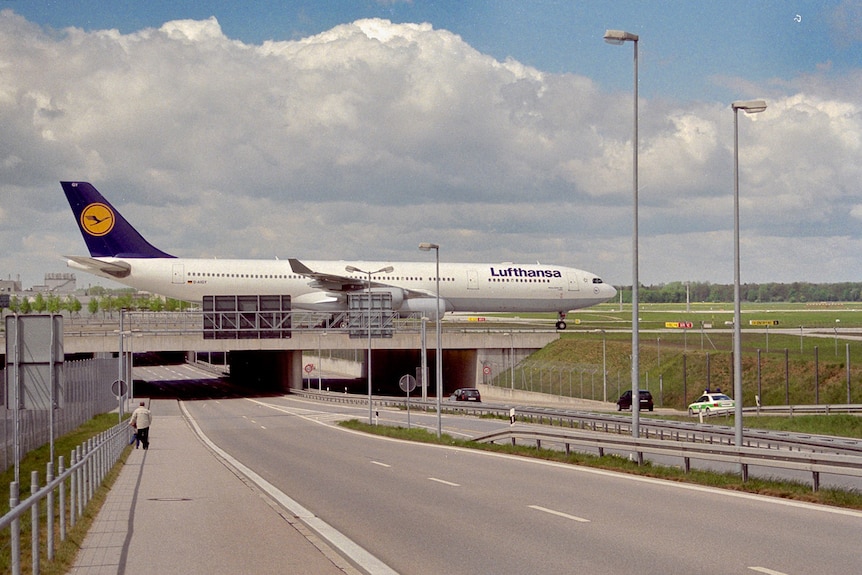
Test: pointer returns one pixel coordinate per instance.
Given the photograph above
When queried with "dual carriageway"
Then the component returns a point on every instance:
(423, 508)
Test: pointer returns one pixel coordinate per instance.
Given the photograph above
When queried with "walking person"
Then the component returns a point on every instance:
(140, 420)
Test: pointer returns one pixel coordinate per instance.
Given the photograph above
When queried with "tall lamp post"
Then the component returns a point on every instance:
(749, 107)
(425, 247)
(424, 367)
(319, 364)
(386, 270)
(619, 37)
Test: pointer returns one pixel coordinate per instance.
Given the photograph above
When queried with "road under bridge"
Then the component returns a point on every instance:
(470, 355)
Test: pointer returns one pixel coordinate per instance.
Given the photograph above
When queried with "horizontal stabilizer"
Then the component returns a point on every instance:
(115, 269)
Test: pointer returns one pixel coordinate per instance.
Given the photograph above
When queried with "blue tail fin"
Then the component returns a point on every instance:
(106, 232)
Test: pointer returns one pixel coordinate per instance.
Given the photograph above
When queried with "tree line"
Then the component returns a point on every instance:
(796, 292)
(106, 302)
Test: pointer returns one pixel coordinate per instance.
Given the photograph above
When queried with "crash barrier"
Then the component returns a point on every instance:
(823, 409)
(816, 463)
(66, 496)
(613, 423)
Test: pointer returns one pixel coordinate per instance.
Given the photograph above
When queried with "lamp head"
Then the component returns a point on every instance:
(426, 247)
(617, 37)
(351, 269)
(749, 106)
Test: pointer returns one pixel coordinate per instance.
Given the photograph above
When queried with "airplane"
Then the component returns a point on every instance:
(120, 253)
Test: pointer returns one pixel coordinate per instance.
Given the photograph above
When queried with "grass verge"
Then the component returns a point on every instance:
(64, 551)
(851, 499)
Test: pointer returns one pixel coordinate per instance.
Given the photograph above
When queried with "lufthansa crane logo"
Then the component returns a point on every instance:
(97, 219)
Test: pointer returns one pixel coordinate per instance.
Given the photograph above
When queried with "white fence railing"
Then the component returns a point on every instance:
(65, 496)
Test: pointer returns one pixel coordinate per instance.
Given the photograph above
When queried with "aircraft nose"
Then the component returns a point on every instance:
(610, 291)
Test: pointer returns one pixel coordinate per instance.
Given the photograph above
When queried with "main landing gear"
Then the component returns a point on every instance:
(561, 324)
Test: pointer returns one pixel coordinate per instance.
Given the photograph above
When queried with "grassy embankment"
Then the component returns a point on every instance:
(780, 366)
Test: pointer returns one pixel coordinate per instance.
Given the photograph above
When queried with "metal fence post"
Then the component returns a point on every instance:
(15, 530)
(61, 468)
(34, 522)
(50, 512)
(80, 474)
(73, 485)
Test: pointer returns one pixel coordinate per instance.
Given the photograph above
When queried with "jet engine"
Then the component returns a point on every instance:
(426, 306)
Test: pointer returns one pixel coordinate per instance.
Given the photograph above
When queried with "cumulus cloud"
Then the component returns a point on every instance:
(366, 139)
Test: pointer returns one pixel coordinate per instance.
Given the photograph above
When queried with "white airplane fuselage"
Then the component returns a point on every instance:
(119, 252)
(465, 287)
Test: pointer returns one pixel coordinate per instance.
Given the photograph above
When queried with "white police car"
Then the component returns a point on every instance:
(711, 403)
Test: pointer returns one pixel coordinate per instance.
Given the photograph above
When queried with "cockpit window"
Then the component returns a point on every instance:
(597, 280)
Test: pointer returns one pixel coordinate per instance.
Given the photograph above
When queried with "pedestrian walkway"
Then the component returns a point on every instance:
(177, 508)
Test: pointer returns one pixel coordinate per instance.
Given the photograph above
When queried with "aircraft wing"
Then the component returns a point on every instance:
(334, 282)
(117, 269)
(325, 281)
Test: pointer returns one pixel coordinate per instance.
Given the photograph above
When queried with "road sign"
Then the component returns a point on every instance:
(309, 367)
(486, 370)
(763, 322)
(678, 324)
(407, 383)
(119, 387)
(34, 362)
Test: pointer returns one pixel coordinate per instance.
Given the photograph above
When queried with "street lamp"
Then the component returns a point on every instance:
(386, 270)
(749, 107)
(425, 247)
(319, 364)
(512, 359)
(605, 368)
(619, 37)
(424, 368)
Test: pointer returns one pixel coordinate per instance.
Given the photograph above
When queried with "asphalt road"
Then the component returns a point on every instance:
(430, 509)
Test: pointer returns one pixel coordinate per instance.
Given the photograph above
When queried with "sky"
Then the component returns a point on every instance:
(501, 131)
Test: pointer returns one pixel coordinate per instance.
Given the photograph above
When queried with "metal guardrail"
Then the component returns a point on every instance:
(816, 463)
(704, 442)
(668, 430)
(806, 409)
(90, 464)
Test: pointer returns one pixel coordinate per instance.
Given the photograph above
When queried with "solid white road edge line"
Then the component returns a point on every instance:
(347, 547)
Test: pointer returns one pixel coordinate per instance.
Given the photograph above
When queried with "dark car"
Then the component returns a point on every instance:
(625, 401)
(466, 394)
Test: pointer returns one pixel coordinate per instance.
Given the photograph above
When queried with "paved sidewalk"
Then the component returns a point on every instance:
(176, 508)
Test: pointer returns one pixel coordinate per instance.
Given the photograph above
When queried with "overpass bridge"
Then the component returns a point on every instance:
(473, 351)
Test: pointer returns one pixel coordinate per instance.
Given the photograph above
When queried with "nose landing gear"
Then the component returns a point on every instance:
(561, 324)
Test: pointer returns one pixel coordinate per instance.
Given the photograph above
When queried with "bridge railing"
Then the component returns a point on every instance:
(191, 322)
